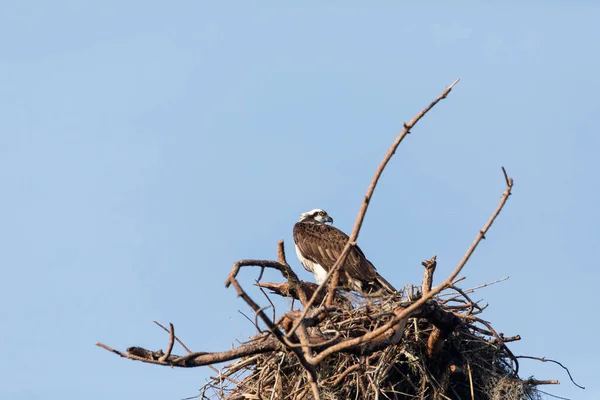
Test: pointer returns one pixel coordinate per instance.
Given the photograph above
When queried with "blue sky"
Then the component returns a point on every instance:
(146, 146)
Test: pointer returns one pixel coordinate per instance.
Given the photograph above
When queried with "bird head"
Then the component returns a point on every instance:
(316, 215)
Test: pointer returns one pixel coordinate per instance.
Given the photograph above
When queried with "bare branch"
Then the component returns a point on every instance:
(176, 338)
(281, 253)
(367, 199)
(544, 359)
(536, 382)
(198, 359)
(428, 276)
(171, 343)
(510, 338)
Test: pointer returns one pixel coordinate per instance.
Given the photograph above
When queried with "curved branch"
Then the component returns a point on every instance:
(198, 359)
(544, 359)
(367, 199)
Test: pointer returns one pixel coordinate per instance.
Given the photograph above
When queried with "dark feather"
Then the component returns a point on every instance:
(323, 244)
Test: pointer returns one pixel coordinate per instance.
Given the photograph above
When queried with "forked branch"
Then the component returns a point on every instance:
(365, 204)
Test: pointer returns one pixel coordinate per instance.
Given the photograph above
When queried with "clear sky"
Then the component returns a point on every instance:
(145, 146)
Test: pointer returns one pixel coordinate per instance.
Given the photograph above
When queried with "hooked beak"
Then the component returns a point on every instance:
(329, 219)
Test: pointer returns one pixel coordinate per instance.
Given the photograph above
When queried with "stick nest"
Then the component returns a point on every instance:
(431, 360)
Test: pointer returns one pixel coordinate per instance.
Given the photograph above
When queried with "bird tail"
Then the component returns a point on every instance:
(385, 284)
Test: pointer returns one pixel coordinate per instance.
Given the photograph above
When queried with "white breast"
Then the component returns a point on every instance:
(318, 271)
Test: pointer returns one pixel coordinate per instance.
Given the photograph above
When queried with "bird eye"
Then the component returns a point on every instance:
(321, 213)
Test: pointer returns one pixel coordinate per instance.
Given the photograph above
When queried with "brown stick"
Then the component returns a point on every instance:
(344, 374)
(171, 343)
(537, 382)
(294, 281)
(176, 338)
(413, 307)
(471, 382)
(428, 276)
(367, 199)
(198, 359)
(510, 338)
(544, 359)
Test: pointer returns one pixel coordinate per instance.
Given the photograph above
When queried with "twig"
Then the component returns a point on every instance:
(281, 253)
(176, 338)
(544, 359)
(536, 382)
(105, 347)
(367, 199)
(553, 395)
(344, 374)
(171, 343)
(498, 337)
(189, 351)
(313, 384)
(510, 338)
(252, 322)
(269, 300)
(284, 269)
(471, 302)
(310, 371)
(470, 381)
(259, 311)
(332, 287)
(471, 290)
(428, 276)
(198, 359)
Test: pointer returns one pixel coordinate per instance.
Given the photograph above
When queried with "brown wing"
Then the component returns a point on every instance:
(323, 244)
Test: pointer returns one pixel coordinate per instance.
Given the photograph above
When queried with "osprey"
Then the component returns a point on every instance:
(318, 246)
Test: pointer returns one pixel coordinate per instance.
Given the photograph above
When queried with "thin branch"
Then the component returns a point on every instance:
(259, 311)
(552, 395)
(471, 381)
(405, 313)
(471, 302)
(257, 263)
(332, 287)
(294, 281)
(344, 374)
(283, 267)
(367, 199)
(176, 338)
(498, 337)
(171, 343)
(310, 371)
(544, 359)
(189, 351)
(510, 338)
(198, 359)
(250, 320)
(269, 300)
(281, 253)
(105, 347)
(471, 290)
(536, 382)
(428, 276)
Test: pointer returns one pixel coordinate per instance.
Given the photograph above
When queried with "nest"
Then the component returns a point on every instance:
(444, 352)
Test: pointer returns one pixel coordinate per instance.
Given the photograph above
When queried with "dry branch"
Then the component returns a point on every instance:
(367, 199)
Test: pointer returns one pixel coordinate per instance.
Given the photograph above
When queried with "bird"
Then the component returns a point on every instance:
(318, 247)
